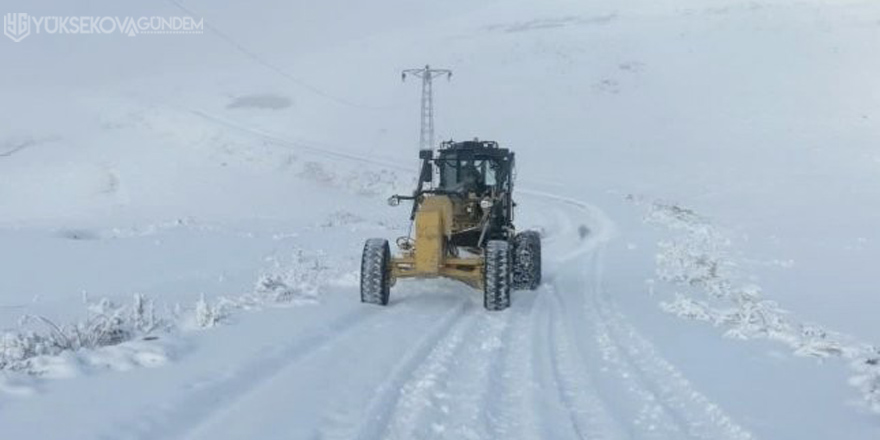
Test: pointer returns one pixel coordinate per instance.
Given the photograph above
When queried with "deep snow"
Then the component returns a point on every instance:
(688, 161)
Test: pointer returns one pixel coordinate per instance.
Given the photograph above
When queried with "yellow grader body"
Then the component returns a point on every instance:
(429, 257)
(462, 229)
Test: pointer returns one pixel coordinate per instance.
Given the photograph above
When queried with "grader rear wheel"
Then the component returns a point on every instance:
(496, 290)
(527, 260)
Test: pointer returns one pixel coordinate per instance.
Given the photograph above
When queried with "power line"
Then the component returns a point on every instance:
(267, 64)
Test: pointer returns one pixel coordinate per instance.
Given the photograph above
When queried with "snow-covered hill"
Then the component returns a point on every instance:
(182, 219)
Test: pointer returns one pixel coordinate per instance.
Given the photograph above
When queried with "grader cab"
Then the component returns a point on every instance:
(463, 228)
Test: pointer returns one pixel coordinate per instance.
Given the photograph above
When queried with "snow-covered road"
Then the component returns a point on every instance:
(182, 222)
(562, 363)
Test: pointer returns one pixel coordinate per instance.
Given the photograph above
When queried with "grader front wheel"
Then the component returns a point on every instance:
(376, 272)
(496, 290)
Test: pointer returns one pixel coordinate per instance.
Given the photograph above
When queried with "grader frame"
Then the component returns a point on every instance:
(431, 258)
(463, 228)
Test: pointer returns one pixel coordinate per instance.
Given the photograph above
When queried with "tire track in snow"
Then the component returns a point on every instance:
(616, 384)
(568, 394)
(185, 416)
(341, 392)
(396, 411)
(511, 412)
(696, 414)
(670, 407)
(548, 398)
(666, 403)
(560, 229)
(502, 403)
(589, 414)
(652, 418)
(469, 395)
(565, 221)
(583, 365)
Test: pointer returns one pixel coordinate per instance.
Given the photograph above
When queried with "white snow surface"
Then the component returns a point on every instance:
(182, 216)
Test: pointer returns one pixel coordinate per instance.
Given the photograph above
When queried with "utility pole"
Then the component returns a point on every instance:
(426, 137)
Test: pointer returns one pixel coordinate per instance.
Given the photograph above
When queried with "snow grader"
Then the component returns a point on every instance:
(463, 228)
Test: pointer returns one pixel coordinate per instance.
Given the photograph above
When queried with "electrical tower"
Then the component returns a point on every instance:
(426, 137)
